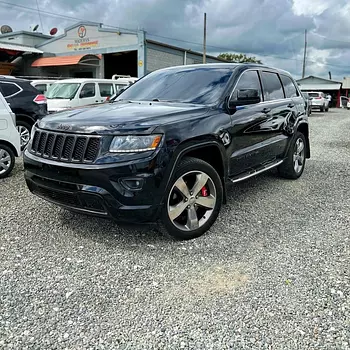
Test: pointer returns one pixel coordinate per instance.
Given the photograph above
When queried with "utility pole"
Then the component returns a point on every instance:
(304, 63)
(205, 38)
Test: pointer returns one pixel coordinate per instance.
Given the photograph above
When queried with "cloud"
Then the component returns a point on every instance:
(272, 30)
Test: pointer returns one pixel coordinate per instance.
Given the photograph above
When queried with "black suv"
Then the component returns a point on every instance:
(167, 146)
(26, 102)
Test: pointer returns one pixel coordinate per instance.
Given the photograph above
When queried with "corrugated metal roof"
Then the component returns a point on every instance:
(22, 48)
(319, 87)
(60, 60)
(346, 83)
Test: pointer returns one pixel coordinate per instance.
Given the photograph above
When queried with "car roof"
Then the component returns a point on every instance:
(226, 65)
(86, 80)
(12, 79)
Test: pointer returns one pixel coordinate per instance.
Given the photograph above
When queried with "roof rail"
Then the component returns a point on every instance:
(116, 76)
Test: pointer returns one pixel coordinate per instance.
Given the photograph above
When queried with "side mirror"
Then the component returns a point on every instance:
(245, 97)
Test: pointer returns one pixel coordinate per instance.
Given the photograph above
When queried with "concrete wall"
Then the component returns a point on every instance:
(23, 39)
(96, 40)
(159, 57)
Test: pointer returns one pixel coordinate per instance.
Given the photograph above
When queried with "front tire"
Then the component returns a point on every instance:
(24, 129)
(294, 164)
(7, 161)
(193, 200)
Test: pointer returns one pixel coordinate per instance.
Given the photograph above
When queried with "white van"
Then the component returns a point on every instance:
(10, 140)
(42, 85)
(71, 93)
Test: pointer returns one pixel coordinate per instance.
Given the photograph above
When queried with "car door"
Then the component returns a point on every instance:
(248, 138)
(299, 104)
(88, 95)
(106, 91)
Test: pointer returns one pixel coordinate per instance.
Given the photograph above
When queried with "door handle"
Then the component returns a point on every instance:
(266, 110)
(291, 105)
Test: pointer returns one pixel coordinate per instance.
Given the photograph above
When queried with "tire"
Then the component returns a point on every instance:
(322, 109)
(187, 203)
(24, 130)
(7, 161)
(288, 168)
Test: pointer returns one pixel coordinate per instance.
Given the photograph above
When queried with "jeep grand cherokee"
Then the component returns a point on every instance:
(167, 146)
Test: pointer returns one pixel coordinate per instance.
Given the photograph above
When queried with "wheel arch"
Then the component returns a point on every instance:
(11, 146)
(304, 129)
(25, 118)
(209, 151)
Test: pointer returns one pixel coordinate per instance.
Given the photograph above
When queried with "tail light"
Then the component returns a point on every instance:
(318, 98)
(40, 99)
(349, 99)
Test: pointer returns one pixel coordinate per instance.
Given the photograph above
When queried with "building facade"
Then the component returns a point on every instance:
(89, 50)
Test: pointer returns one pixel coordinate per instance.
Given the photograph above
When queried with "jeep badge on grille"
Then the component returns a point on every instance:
(64, 127)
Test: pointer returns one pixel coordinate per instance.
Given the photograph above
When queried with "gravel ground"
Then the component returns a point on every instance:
(273, 272)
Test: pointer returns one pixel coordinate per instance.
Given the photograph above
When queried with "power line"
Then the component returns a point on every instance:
(160, 36)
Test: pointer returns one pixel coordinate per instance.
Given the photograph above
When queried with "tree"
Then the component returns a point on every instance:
(238, 58)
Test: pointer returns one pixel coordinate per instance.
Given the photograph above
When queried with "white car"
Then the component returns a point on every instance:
(319, 101)
(42, 85)
(10, 140)
(348, 104)
(78, 92)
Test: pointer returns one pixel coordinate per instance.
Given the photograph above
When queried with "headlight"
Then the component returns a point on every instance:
(132, 144)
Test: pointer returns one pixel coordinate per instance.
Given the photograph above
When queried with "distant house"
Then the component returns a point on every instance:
(326, 86)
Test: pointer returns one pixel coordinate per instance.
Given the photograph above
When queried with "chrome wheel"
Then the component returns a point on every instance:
(191, 201)
(5, 161)
(24, 134)
(299, 155)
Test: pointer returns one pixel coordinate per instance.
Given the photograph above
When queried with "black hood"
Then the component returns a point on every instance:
(124, 116)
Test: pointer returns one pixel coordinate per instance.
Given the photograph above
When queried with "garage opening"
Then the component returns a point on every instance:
(121, 63)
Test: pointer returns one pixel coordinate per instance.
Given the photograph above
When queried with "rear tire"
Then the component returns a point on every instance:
(322, 109)
(193, 199)
(294, 164)
(24, 129)
(7, 161)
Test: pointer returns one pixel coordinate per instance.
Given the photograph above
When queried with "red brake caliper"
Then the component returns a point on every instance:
(204, 191)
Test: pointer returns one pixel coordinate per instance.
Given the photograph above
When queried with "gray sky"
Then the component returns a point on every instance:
(272, 30)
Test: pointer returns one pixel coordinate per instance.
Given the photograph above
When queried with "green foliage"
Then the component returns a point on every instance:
(238, 58)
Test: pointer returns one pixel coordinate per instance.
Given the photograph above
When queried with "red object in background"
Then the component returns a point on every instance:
(53, 31)
(40, 99)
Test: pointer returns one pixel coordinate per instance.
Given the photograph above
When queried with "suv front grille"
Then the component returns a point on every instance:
(65, 147)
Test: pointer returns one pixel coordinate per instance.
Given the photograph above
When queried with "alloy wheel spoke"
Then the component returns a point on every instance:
(176, 210)
(182, 187)
(300, 147)
(192, 219)
(201, 180)
(5, 159)
(206, 202)
(3, 165)
(2, 152)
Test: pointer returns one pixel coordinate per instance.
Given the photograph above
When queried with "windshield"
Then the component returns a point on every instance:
(313, 94)
(189, 85)
(62, 90)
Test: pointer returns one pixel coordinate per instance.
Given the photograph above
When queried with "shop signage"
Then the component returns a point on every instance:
(82, 42)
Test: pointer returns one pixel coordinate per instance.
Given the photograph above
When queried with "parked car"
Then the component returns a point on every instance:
(319, 101)
(348, 104)
(42, 85)
(26, 102)
(10, 141)
(70, 93)
(307, 102)
(344, 101)
(123, 81)
(168, 145)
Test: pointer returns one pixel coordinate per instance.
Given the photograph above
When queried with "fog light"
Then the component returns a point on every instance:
(132, 184)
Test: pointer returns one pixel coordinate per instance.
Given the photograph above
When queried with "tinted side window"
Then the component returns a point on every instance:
(88, 90)
(106, 90)
(289, 87)
(272, 86)
(248, 80)
(41, 87)
(9, 89)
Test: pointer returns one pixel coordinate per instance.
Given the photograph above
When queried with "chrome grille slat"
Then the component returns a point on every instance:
(65, 147)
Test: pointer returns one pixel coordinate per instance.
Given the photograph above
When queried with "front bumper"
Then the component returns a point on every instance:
(102, 190)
